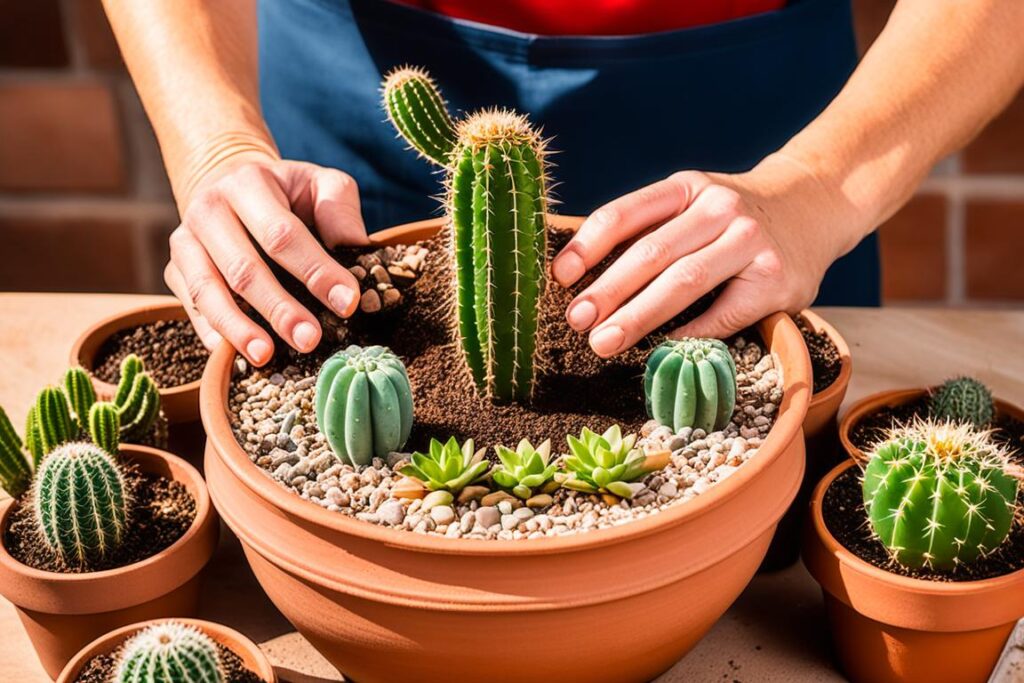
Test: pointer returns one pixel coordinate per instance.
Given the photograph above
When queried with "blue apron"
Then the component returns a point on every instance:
(622, 111)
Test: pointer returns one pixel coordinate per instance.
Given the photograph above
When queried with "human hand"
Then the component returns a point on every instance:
(257, 198)
(770, 234)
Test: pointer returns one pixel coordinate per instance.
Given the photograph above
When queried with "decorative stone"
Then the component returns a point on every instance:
(541, 500)
(435, 498)
(472, 493)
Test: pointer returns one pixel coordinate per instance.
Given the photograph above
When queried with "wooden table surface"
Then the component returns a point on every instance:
(774, 632)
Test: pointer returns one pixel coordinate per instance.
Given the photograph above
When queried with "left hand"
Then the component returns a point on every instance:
(767, 233)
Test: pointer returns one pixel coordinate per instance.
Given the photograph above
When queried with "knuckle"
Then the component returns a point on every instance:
(770, 264)
(651, 250)
(693, 275)
(279, 312)
(205, 203)
(198, 289)
(722, 201)
(687, 177)
(317, 276)
(746, 228)
(240, 274)
(279, 236)
(607, 215)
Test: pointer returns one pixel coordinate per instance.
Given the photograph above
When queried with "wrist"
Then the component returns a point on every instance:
(215, 157)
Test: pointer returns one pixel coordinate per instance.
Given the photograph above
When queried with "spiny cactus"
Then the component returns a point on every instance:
(169, 652)
(137, 399)
(691, 383)
(80, 503)
(15, 472)
(49, 423)
(525, 469)
(962, 400)
(80, 393)
(364, 403)
(104, 426)
(448, 466)
(938, 495)
(606, 463)
(497, 204)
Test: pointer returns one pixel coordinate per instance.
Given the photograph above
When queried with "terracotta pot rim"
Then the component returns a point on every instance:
(842, 380)
(796, 397)
(223, 635)
(94, 330)
(204, 507)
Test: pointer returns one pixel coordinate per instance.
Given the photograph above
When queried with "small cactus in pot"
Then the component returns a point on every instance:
(962, 399)
(15, 470)
(137, 399)
(691, 383)
(169, 652)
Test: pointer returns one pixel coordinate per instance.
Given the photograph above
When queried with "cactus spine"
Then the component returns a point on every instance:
(104, 424)
(80, 503)
(691, 383)
(137, 399)
(15, 472)
(80, 393)
(364, 403)
(962, 400)
(497, 204)
(169, 652)
(938, 494)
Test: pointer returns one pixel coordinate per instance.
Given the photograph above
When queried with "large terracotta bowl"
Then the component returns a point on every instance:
(889, 628)
(612, 605)
(63, 612)
(180, 403)
(250, 653)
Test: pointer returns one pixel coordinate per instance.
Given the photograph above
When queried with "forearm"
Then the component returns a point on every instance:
(937, 74)
(194, 63)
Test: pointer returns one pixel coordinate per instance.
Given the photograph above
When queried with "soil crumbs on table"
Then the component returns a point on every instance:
(843, 512)
(825, 360)
(163, 510)
(101, 668)
(170, 349)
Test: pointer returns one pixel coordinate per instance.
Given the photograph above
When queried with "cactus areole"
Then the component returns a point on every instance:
(497, 205)
(691, 383)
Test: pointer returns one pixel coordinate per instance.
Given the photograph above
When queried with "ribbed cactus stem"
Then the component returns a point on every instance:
(691, 383)
(15, 472)
(53, 419)
(962, 400)
(417, 110)
(33, 437)
(80, 392)
(137, 399)
(104, 423)
(169, 652)
(80, 503)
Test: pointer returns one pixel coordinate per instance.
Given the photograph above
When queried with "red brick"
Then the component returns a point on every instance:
(90, 24)
(913, 246)
(32, 34)
(60, 136)
(75, 255)
(869, 17)
(994, 244)
(1000, 147)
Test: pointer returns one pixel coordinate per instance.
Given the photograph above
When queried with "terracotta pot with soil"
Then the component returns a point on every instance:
(159, 334)
(138, 557)
(240, 659)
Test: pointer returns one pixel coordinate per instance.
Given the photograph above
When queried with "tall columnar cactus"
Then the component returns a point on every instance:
(364, 403)
(938, 494)
(79, 390)
(497, 204)
(80, 503)
(50, 423)
(15, 471)
(691, 383)
(169, 652)
(137, 399)
(104, 426)
(962, 400)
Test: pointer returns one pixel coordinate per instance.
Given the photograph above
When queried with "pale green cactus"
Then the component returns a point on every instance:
(607, 463)
(525, 470)
(15, 470)
(137, 399)
(691, 383)
(169, 652)
(448, 466)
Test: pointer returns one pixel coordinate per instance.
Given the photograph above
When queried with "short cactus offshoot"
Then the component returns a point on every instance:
(497, 204)
(938, 494)
(15, 471)
(169, 652)
(691, 383)
(962, 400)
(137, 399)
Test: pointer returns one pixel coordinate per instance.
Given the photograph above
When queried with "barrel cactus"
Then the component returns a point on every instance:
(15, 471)
(364, 403)
(691, 383)
(497, 203)
(938, 494)
(448, 466)
(524, 470)
(962, 399)
(607, 463)
(169, 652)
(137, 399)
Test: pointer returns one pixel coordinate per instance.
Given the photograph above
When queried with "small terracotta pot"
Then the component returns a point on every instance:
(63, 612)
(385, 605)
(823, 451)
(250, 653)
(181, 403)
(893, 629)
(896, 397)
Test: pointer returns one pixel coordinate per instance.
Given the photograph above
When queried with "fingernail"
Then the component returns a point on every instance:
(341, 298)
(582, 315)
(305, 336)
(607, 340)
(258, 350)
(568, 268)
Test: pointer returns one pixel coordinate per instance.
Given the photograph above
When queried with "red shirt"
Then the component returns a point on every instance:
(597, 17)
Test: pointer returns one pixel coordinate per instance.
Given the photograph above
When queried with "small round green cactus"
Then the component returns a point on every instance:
(938, 495)
(169, 652)
(104, 426)
(448, 466)
(137, 399)
(607, 463)
(364, 403)
(80, 503)
(691, 383)
(962, 400)
(525, 469)
(15, 472)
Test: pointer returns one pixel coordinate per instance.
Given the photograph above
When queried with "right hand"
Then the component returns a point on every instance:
(257, 198)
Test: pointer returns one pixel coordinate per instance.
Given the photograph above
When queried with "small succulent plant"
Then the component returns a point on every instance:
(938, 494)
(691, 383)
(448, 466)
(606, 463)
(15, 470)
(962, 399)
(525, 470)
(169, 652)
(137, 399)
(80, 503)
(364, 403)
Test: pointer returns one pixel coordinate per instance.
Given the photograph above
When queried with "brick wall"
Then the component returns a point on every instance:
(85, 206)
